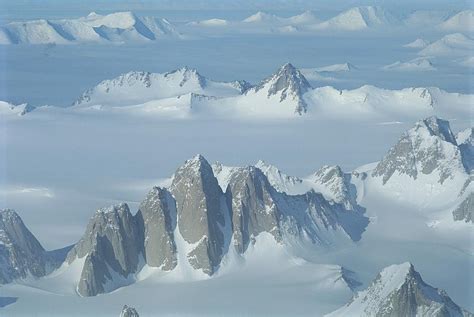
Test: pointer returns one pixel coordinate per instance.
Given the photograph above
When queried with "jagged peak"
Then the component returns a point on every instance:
(437, 127)
(114, 209)
(287, 81)
(187, 73)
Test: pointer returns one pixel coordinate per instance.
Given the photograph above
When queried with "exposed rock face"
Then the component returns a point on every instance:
(21, 254)
(336, 185)
(257, 207)
(465, 210)
(200, 213)
(288, 83)
(156, 219)
(186, 75)
(111, 246)
(465, 140)
(428, 147)
(400, 291)
(128, 311)
(254, 210)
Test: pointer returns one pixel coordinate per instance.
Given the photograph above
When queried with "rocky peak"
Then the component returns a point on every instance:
(187, 75)
(21, 254)
(288, 83)
(427, 147)
(200, 212)
(156, 219)
(336, 185)
(399, 290)
(110, 244)
(253, 207)
(128, 311)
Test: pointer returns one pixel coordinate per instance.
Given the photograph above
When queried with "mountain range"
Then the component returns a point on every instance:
(127, 27)
(212, 215)
(184, 93)
(114, 27)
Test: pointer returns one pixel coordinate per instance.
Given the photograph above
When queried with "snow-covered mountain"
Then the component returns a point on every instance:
(420, 64)
(359, 18)
(287, 85)
(460, 22)
(135, 88)
(399, 290)
(194, 224)
(114, 27)
(456, 44)
(21, 255)
(418, 43)
(8, 109)
(184, 93)
(426, 167)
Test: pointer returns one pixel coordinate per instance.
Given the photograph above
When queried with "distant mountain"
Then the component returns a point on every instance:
(456, 44)
(128, 311)
(429, 148)
(461, 22)
(359, 18)
(418, 64)
(185, 93)
(8, 109)
(115, 27)
(21, 254)
(135, 88)
(194, 224)
(399, 290)
(418, 43)
(287, 84)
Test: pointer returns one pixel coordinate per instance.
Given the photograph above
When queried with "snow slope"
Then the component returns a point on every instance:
(450, 45)
(461, 22)
(357, 19)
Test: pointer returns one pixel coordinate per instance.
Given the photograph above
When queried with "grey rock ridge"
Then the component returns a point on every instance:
(128, 311)
(201, 213)
(288, 83)
(465, 210)
(399, 290)
(111, 246)
(21, 254)
(156, 219)
(428, 147)
(208, 221)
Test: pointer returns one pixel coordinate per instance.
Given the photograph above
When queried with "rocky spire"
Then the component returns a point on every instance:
(200, 213)
(111, 245)
(21, 254)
